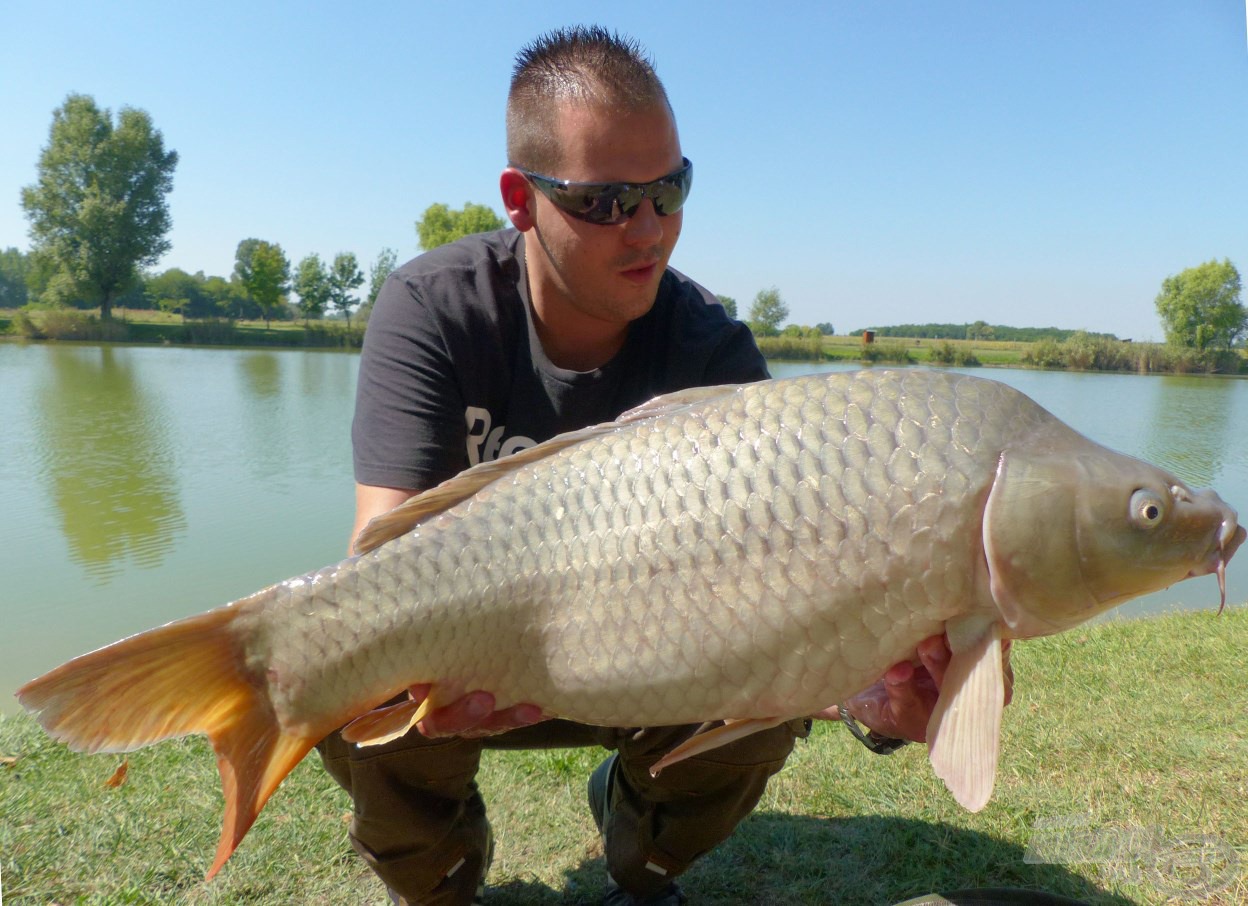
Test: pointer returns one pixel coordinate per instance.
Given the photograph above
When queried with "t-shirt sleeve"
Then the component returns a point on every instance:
(408, 430)
(736, 359)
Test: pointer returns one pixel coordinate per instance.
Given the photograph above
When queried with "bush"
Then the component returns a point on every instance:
(61, 324)
(1045, 353)
(946, 353)
(210, 333)
(792, 348)
(334, 334)
(887, 351)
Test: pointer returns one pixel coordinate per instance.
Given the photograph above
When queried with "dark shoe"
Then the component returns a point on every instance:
(601, 782)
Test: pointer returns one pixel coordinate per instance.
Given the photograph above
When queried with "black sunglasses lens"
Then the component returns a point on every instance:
(669, 197)
(611, 203)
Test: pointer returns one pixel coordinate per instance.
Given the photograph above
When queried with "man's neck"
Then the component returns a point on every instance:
(576, 341)
(570, 337)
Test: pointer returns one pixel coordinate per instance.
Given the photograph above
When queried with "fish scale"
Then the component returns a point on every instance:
(744, 553)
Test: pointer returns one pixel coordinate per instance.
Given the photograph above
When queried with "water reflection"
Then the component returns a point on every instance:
(1190, 427)
(105, 454)
(262, 373)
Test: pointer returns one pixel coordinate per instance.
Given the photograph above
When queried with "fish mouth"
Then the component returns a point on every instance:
(1230, 536)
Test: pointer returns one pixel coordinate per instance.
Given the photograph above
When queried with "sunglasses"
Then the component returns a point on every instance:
(607, 203)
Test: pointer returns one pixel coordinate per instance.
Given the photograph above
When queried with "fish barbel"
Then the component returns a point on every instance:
(750, 553)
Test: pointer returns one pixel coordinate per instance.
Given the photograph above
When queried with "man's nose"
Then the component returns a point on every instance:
(645, 227)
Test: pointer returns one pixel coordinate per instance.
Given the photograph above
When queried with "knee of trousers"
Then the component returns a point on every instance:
(658, 826)
(417, 817)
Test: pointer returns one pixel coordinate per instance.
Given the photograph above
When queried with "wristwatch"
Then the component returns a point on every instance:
(880, 745)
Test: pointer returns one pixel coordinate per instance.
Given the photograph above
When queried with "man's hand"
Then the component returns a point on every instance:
(472, 716)
(900, 704)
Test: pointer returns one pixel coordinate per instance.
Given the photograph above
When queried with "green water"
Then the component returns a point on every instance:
(139, 485)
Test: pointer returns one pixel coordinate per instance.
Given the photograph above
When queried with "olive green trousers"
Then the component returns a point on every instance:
(420, 821)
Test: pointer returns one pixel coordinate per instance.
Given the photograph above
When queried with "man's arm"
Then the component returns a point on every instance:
(473, 714)
(370, 502)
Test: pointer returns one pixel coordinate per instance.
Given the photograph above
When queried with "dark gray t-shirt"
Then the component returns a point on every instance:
(453, 374)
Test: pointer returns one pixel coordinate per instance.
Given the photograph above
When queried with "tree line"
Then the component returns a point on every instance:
(979, 330)
(1199, 309)
(99, 219)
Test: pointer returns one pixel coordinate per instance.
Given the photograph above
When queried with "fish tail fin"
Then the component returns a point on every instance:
(185, 677)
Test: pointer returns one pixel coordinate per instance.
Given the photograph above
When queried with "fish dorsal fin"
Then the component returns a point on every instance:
(669, 403)
(406, 516)
(964, 732)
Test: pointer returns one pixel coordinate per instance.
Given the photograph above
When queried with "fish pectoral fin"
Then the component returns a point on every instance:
(729, 731)
(964, 732)
(386, 724)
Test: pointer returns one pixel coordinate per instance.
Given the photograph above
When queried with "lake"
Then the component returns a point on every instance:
(143, 484)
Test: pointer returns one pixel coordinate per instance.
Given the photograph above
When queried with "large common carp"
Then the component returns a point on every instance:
(748, 553)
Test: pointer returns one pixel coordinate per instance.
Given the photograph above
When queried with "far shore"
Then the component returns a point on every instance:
(1080, 352)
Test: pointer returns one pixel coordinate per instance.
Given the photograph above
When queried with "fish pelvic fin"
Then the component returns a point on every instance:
(185, 677)
(706, 740)
(386, 724)
(964, 732)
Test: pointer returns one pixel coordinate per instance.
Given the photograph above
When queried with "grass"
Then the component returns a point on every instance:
(1080, 353)
(1124, 761)
(163, 328)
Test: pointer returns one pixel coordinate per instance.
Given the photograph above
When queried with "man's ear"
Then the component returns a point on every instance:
(517, 198)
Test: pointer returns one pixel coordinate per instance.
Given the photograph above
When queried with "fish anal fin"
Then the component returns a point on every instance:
(186, 677)
(386, 724)
(964, 732)
(729, 731)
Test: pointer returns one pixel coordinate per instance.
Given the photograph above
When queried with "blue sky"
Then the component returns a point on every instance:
(1025, 163)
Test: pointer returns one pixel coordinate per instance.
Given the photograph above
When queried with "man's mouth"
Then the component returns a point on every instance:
(640, 274)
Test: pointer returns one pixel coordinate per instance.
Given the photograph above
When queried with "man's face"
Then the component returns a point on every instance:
(610, 272)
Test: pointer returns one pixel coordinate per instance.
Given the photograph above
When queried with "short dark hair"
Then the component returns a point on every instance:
(582, 64)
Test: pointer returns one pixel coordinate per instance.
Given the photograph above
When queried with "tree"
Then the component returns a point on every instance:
(826, 328)
(225, 297)
(264, 272)
(387, 261)
(440, 225)
(730, 305)
(98, 212)
(177, 291)
(344, 277)
(980, 330)
(312, 284)
(767, 312)
(14, 267)
(1200, 307)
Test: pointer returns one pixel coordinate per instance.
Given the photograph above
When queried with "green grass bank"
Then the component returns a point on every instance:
(1124, 766)
(1080, 353)
(157, 328)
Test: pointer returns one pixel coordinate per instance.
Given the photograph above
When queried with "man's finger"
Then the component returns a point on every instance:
(461, 715)
(934, 654)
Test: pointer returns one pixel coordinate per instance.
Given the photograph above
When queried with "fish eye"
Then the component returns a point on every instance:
(1147, 508)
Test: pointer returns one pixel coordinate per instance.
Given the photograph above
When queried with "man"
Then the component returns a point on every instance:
(499, 341)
